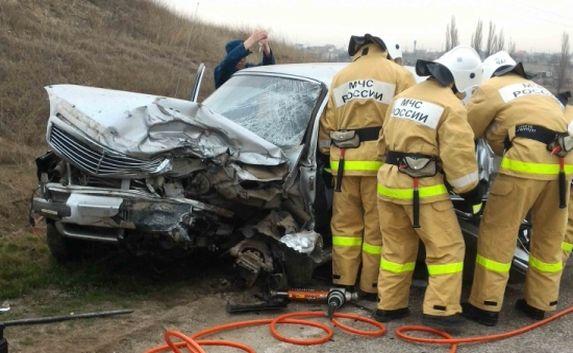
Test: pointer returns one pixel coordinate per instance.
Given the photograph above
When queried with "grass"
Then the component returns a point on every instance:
(107, 276)
(23, 265)
(26, 265)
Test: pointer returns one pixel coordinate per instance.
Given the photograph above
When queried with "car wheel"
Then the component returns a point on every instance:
(299, 270)
(63, 249)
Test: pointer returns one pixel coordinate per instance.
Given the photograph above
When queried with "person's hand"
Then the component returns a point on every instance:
(256, 37)
(266, 47)
(473, 198)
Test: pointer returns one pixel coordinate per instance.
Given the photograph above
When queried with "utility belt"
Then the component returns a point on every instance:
(557, 143)
(345, 139)
(417, 166)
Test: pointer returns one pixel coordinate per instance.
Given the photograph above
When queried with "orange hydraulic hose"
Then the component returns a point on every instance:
(194, 344)
(454, 342)
(381, 330)
(302, 341)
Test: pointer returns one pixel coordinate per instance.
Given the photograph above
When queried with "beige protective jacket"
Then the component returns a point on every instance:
(359, 97)
(428, 119)
(407, 77)
(499, 105)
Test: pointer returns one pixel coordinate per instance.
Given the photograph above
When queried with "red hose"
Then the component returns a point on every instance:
(286, 319)
(454, 342)
(195, 343)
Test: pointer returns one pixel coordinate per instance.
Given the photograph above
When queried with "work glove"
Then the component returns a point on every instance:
(473, 198)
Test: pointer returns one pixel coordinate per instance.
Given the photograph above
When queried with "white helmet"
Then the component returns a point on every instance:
(501, 63)
(461, 66)
(394, 48)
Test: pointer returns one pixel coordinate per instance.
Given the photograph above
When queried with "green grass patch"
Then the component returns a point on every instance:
(35, 284)
(26, 265)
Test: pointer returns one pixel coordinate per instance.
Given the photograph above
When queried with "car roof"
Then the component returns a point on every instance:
(322, 72)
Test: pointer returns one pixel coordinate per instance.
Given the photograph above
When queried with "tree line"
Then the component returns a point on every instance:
(496, 40)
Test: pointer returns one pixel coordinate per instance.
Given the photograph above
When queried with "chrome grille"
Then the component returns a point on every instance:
(98, 161)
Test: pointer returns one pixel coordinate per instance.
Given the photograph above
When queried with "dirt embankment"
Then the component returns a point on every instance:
(134, 45)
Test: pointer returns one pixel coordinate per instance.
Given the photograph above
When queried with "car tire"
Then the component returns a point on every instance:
(299, 269)
(62, 249)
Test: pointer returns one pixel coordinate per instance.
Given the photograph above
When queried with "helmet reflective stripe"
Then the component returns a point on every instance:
(464, 64)
(496, 61)
(393, 47)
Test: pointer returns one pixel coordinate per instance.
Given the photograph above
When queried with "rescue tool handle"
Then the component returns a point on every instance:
(307, 295)
(416, 205)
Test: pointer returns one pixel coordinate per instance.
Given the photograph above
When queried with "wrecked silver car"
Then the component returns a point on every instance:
(237, 173)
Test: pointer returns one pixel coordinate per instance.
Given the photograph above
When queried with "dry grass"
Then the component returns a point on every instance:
(133, 45)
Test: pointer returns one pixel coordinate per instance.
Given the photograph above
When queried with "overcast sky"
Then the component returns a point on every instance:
(533, 25)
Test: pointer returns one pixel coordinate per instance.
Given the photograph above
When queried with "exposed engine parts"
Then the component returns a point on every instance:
(252, 257)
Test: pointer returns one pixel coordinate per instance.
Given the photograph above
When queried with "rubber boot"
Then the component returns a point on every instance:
(389, 315)
(371, 297)
(529, 311)
(483, 317)
(450, 323)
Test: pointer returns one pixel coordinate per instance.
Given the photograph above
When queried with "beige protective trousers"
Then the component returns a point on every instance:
(567, 245)
(445, 250)
(510, 199)
(356, 235)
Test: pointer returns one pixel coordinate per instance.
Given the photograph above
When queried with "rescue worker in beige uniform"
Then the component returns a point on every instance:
(567, 245)
(427, 142)
(520, 120)
(358, 99)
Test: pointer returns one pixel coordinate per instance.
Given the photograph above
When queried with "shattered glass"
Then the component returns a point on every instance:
(276, 109)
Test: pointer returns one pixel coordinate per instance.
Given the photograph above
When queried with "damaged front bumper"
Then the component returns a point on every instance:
(106, 214)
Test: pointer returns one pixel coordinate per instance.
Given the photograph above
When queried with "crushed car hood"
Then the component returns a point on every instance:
(145, 126)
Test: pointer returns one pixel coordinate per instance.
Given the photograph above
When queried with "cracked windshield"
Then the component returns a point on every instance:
(276, 109)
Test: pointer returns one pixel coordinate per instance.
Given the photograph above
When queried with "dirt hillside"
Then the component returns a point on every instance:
(134, 45)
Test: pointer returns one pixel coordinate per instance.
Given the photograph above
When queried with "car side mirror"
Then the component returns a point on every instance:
(197, 84)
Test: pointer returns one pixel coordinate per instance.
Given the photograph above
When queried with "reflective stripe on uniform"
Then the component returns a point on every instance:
(568, 247)
(357, 166)
(371, 249)
(407, 193)
(466, 180)
(492, 265)
(445, 269)
(545, 266)
(533, 168)
(346, 241)
(396, 267)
